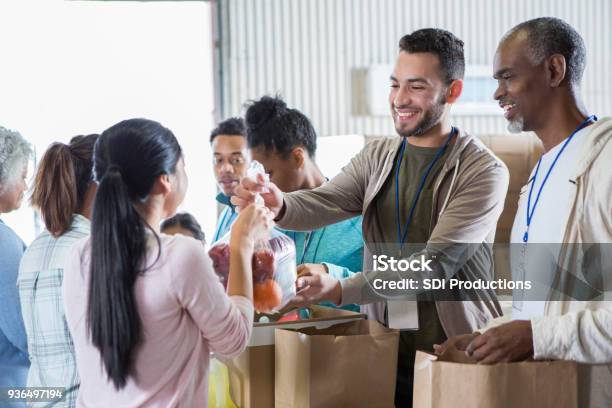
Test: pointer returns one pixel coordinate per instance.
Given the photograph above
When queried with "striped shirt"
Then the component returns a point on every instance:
(40, 287)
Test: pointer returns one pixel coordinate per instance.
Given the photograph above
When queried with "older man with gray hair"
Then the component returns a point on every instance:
(15, 153)
(539, 66)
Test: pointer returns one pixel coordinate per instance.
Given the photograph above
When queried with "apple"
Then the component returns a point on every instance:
(263, 264)
(220, 256)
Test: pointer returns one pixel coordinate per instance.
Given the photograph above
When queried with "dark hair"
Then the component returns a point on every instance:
(186, 221)
(442, 43)
(271, 124)
(547, 36)
(128, 158)
(61, 182)
(231, 126)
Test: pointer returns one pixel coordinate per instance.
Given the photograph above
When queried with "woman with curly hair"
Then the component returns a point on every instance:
(15, 153)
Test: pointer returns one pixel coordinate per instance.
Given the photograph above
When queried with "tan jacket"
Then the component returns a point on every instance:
(582, 330)
(469, 195)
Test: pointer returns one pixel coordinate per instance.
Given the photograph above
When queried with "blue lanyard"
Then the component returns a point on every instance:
(307, 241)
(531, 210)
(221, 225)
(402, 237)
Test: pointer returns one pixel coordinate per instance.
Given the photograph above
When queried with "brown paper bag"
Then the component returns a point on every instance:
(251, 374)
(348, 365)
(453, 381)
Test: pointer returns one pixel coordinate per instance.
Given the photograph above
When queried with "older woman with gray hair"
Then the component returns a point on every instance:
(15, 152)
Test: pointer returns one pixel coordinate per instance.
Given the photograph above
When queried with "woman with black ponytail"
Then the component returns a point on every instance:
(144, 308)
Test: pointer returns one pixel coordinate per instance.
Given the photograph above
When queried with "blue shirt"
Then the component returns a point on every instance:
(227, 218)
(338, 246)
(14, 361)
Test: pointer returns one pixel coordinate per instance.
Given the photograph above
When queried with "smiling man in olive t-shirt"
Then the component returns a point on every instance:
(434, 185)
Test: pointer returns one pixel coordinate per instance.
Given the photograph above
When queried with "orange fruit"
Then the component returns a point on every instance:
(267, 295)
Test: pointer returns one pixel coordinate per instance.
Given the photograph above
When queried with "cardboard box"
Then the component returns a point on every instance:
(455, 381)
(251, 375)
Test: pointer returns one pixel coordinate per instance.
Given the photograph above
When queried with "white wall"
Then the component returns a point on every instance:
(71, 68)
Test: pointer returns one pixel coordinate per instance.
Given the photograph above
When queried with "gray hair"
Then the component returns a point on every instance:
(549, 35)
(15, 152)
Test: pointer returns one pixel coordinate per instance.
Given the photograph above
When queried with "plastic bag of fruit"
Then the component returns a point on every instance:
(273, 263)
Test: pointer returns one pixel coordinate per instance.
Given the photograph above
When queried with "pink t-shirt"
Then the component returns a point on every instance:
(185, 315)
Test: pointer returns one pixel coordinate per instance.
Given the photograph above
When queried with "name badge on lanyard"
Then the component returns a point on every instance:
(404, 315)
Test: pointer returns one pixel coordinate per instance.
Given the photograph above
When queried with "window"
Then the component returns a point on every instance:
(477, 95)
(95, 63)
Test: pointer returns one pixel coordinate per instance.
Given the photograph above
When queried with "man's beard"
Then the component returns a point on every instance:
(431, 118)
(516, 125)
